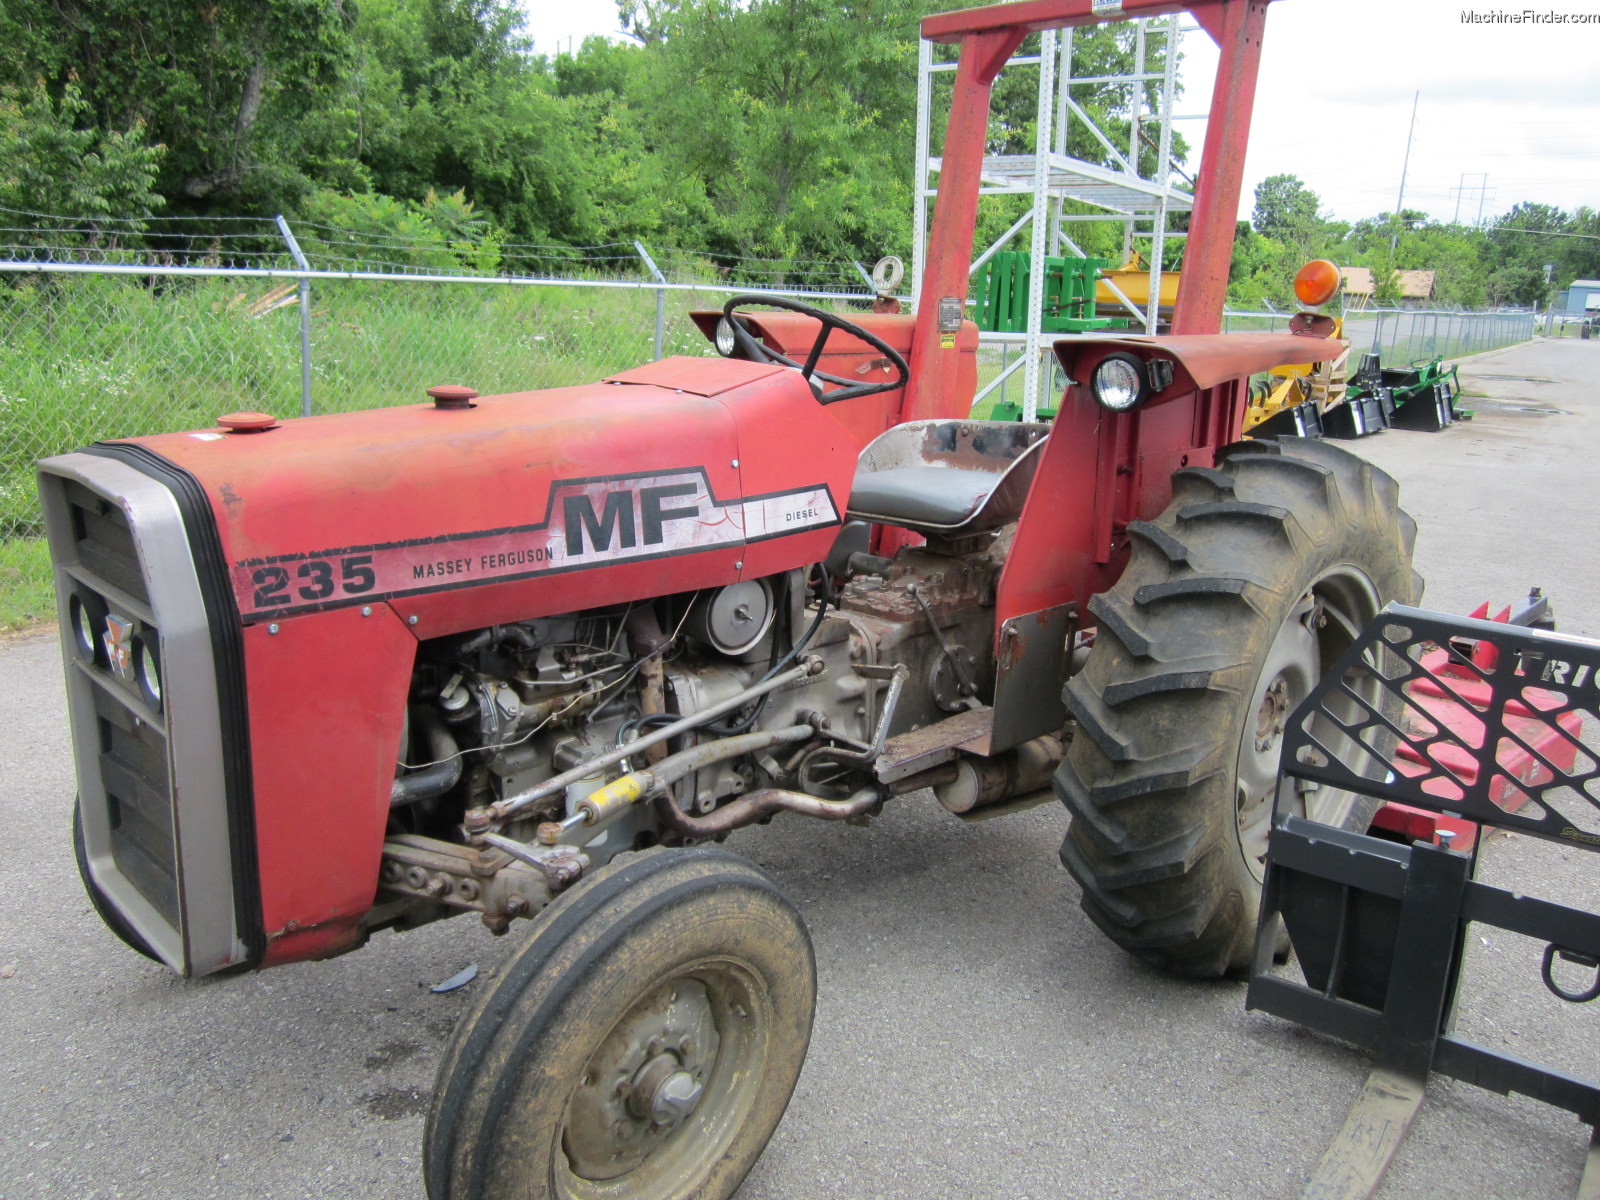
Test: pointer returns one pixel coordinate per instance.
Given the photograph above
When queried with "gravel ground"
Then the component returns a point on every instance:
(975, 1035)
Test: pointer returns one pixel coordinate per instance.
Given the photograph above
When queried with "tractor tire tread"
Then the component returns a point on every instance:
(1179, 641)
(1160, 540)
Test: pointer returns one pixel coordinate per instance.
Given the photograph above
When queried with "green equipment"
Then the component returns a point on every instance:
(1069, 299)
(1424, 395)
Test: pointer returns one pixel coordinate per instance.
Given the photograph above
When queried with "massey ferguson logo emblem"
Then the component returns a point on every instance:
(614, 526)
(118, 640)
(588, 523)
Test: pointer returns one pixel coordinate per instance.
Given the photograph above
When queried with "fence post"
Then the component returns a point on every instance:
(305, 316)
(661, 293)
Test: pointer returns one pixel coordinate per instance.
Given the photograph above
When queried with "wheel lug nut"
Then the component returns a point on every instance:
(624, 1087)
(656, 1046)
(686, 1046)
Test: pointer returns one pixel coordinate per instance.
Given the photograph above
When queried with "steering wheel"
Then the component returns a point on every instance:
(845, 389)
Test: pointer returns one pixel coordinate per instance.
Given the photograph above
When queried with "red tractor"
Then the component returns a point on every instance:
(530, 656)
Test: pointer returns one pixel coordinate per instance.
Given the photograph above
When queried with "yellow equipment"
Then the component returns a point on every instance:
(1323, 383)
(1133, 280)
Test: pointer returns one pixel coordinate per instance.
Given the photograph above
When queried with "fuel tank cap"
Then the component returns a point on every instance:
(452, 395)
(247, 422)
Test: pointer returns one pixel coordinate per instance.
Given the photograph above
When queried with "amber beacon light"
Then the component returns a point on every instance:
(1316, 282)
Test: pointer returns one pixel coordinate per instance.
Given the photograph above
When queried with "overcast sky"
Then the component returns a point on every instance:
(1518, 103)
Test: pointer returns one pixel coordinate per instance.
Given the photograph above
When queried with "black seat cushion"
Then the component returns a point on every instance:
(922, 495)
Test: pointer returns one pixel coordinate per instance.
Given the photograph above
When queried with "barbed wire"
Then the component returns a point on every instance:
(245, 242)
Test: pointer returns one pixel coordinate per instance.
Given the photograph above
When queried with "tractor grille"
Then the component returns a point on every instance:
(130, 730)
(104, 543)
(133, 765)
(154, 674)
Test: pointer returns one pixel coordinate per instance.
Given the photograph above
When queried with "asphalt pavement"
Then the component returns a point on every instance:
(976, 1037)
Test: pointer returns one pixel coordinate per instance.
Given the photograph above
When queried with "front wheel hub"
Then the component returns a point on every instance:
(646, 1079)
(663, 1092)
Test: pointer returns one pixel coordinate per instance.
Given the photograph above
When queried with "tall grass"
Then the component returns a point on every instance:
(88, 358)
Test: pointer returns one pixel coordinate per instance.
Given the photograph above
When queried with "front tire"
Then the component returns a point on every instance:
(1253, 581)
(644, 1043)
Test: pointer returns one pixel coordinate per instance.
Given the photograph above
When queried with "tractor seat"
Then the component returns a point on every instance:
(947, 477)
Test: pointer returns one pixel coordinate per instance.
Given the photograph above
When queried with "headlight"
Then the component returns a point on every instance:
(86, 619)
(1118, 382)
(149, 661)
(724, 340)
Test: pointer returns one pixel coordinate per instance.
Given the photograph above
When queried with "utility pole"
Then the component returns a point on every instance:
(1482, 188)
(1404, 167)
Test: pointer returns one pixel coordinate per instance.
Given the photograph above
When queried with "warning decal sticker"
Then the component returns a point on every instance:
(588, 523)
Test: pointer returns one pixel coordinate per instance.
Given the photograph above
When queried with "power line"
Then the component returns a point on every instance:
(1546, 232)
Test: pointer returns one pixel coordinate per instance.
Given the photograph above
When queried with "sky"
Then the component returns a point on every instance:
(1519, 104)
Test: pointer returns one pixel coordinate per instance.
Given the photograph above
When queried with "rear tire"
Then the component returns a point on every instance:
(644, 1043)
(1256, 578)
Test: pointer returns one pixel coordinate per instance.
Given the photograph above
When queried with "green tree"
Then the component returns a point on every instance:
(48, 164)
(445, 96)
(1517, 283)
(221, 85)
(790, 117)
(442, 233)
(1290, 213)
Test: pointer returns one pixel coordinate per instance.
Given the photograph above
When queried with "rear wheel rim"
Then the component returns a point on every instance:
(1319, 628)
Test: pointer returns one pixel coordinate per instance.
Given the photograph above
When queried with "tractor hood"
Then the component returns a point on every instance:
(682, 474)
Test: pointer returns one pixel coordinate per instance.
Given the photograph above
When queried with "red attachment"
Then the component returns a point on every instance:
(1420, 825)
(247, 422)
(1456, 707)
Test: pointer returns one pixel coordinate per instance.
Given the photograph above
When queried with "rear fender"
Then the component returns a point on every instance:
(1100, 469)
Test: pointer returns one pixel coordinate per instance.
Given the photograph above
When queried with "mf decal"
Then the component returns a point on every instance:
(588, 523)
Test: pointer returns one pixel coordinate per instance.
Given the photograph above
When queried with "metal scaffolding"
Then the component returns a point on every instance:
(1118, 192)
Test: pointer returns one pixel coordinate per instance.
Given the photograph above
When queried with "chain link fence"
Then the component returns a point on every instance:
(1402, 336)
(126, 332)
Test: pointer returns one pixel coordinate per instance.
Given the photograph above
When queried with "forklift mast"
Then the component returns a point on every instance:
(988, 37)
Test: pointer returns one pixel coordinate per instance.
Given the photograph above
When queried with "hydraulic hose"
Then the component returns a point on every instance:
(751, 808)
(482, 818)
(434, 780)
(601, 806)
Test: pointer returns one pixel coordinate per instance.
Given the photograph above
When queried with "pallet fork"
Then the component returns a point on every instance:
(1476, 720)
